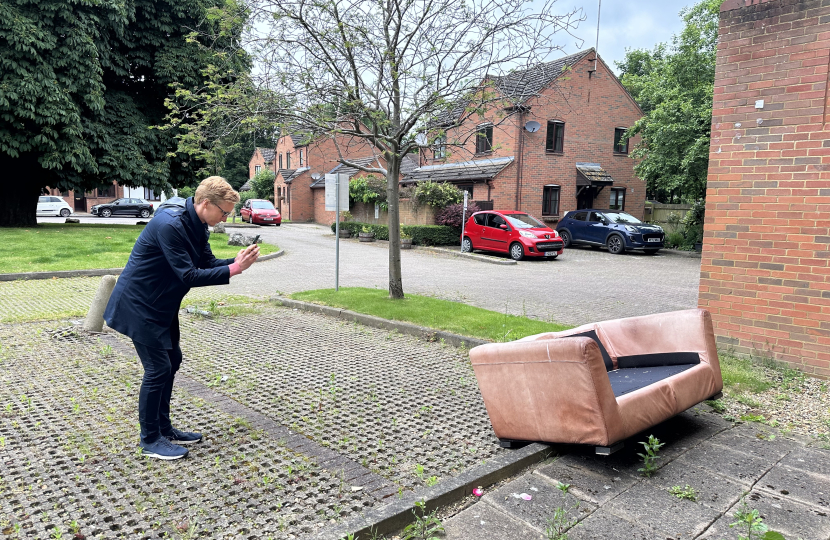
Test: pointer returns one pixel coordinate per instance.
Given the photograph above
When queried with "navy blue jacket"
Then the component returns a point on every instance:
(171, 255)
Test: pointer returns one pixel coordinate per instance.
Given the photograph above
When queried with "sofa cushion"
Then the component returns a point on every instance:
(657, 359)
(609, 365)
(628, 380)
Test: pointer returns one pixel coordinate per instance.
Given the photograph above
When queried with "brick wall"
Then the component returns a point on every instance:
(764, 272)
(257, 160)
(86, 201)
(591, 107)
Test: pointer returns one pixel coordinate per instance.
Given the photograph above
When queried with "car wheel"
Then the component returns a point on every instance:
(651, 251)
(106, 212)
(65, 212)
(616, 244)
(467, 245)
(566, 238)
(517, 252)
(145, 213)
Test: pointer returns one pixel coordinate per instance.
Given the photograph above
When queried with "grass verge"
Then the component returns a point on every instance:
(57, 246)
(445, 315)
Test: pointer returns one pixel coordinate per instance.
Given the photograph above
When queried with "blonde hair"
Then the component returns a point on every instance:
(217, 190)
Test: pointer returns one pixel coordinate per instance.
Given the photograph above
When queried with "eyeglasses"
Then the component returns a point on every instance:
(224, 214)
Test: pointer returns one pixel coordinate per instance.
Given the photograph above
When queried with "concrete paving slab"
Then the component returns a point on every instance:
(585, 484)
(738, 466)
(808, 459)
(606, 526)
(792, 519)
(713, 490)
(796, 484)
(655, 508)
(748, 439)
(484, 521)
(546, 497)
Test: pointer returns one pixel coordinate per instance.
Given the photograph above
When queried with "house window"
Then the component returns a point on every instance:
(620, 142)
(439, 148)
(555, 141)
(149, 195)
(468, 188)
(280, 161)
(484, 139)
(617, 199)
(288, 160)
(301, 158)
(550, 200)
(257, 168)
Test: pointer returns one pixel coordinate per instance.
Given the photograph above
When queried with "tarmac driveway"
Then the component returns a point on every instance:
(581, 286)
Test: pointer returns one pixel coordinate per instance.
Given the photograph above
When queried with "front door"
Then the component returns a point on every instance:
(585, 198)
(80, 202)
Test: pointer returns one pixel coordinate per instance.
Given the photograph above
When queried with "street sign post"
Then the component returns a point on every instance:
(463, 220)
(337, 199)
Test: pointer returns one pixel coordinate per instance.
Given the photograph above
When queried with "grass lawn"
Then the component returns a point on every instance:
(431, 312)
(58, 246)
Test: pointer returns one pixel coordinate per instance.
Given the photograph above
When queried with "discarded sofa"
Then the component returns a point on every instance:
(600, 383)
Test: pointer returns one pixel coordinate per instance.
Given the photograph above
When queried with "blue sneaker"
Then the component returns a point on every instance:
(162, 449)
(182, 437)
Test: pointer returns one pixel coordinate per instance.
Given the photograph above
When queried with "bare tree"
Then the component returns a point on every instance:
(385, 70)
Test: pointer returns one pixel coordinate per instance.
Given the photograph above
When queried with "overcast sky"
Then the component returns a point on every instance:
(624, 24)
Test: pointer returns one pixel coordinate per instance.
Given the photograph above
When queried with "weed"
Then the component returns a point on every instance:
(748, 401)
(749, 522)
(687, 492)
(431, 481)
(752, 418)
(425, 525)
(716, 405)
(652, 446)
(106, 351)
(56, 534)
(558, 523)
(563, 487)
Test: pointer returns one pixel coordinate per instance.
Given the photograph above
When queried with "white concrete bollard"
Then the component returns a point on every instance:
(94, 321)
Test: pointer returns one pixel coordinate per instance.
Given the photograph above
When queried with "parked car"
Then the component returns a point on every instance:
(121, 207)
(506, 231)
(260, 211)
(617, 230)
(48, 205)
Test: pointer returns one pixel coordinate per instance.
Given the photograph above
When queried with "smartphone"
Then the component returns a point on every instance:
(256, 239)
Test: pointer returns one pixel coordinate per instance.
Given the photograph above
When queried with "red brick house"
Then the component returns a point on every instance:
(262, 159)
(81, 201)
(551, 145)
(765, 270)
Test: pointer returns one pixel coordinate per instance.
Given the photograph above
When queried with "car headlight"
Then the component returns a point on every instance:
(527, 234)
(631, 229)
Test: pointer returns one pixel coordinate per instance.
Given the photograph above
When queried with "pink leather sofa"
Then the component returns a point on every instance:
(600, 383)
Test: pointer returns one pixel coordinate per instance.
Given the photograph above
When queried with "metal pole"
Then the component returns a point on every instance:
(596, 49)
(463, 220)
(337, 234)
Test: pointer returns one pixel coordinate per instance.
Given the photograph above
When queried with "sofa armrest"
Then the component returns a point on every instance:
(689, 330)
(553, 390)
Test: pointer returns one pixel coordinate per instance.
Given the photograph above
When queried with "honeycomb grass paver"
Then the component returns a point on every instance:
(403, 408)
(68, 439)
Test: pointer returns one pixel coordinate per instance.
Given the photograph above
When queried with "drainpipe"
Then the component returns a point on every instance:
(519, 160)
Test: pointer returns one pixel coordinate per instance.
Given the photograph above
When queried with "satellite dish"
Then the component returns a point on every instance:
(533, 126)
(421, 139)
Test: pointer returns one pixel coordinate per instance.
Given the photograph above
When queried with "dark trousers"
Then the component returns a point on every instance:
(160, 367)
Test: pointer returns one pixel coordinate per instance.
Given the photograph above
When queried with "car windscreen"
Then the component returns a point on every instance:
(621, 217)
(262, 205)
(523, 221)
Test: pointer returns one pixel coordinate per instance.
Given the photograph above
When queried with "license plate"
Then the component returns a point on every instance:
(267, 219)
(550, 253)
(653, 239)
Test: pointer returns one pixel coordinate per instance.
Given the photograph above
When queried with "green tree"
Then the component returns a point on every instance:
(262, 184)
(81, 84)
(674, 86)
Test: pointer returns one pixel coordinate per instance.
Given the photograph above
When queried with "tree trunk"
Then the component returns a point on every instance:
(23, 180)
(395, 278)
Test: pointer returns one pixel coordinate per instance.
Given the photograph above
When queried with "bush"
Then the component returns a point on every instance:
(424, 235)
(186, 192)
(262, 185)
(453, 214)
(437, 194)
(369, 189)
(674, 239)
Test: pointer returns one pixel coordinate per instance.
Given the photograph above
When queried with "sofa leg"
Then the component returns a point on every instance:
(510, 443)
(608, 450)
(717, 396)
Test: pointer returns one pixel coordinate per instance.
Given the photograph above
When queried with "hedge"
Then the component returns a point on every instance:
(422, 235)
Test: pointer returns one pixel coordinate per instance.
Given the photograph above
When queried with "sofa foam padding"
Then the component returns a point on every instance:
(627, 380)
(609, 365)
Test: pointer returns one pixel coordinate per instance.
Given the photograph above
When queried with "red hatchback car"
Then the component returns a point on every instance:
(507, 231)
(260, 211)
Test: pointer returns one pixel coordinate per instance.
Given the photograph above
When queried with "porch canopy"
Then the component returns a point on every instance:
(478, 170)
(592, 174)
